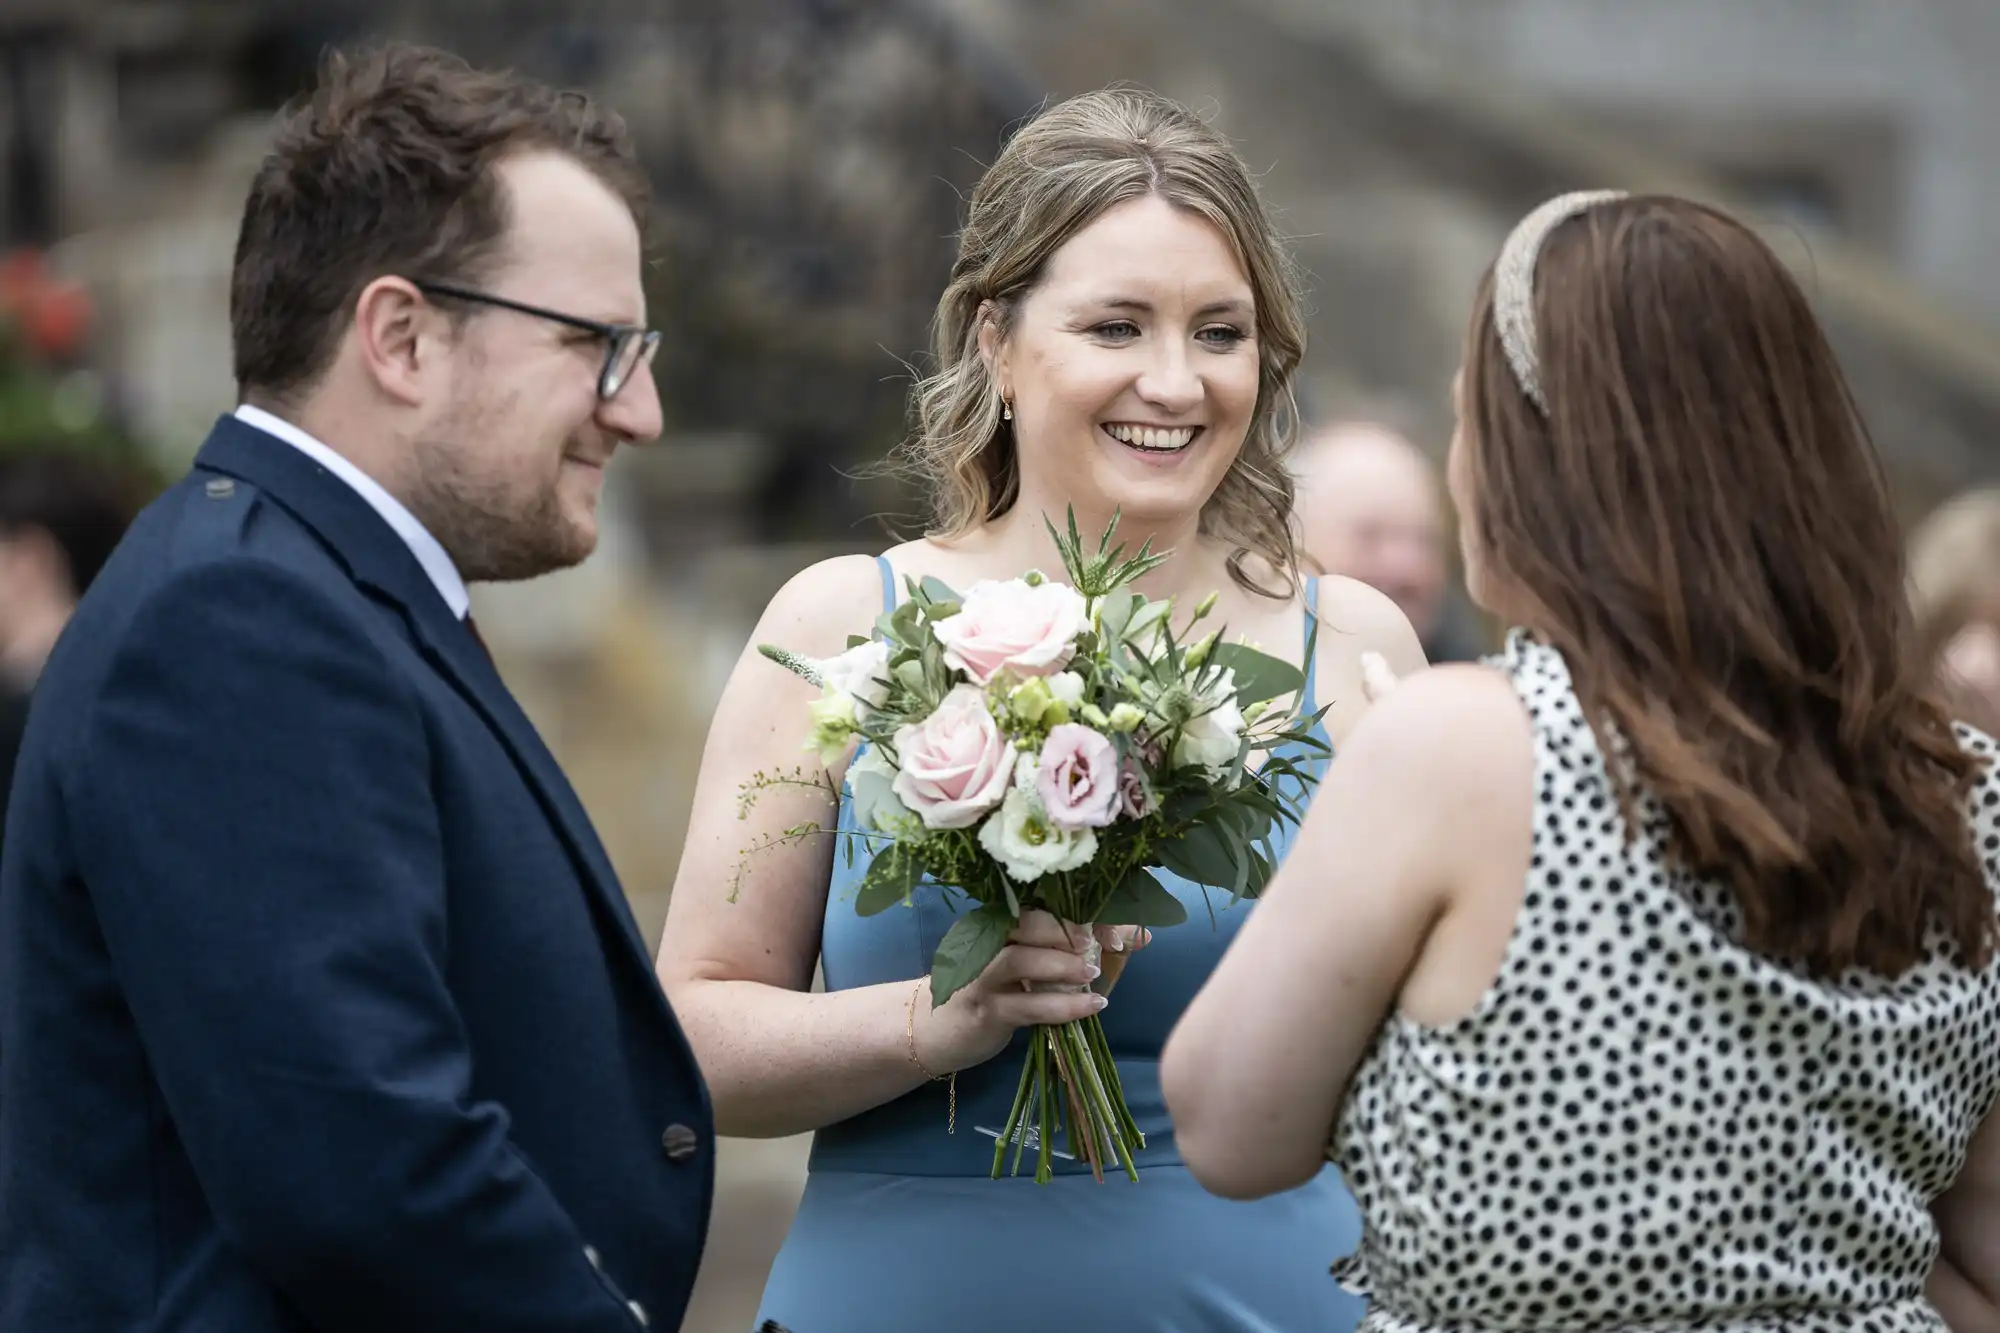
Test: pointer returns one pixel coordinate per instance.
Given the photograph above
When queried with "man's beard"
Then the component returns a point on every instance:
(494, 531)
(495, 538)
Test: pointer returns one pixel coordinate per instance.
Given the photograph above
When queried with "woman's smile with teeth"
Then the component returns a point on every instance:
(1153, 439)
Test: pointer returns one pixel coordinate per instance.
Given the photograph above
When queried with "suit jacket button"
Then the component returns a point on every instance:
(679, 1143)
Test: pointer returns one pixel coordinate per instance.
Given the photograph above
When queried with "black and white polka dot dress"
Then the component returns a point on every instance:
(1643, 1125)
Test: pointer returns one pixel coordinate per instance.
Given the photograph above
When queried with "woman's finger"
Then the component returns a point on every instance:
(1021, 1008)
(1020, 962)
(1120, 939)
(1376, 677)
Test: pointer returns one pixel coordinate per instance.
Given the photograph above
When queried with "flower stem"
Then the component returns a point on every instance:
(1015, 1118)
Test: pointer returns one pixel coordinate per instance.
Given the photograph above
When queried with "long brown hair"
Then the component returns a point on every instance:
(1059, 173)
(1701, 525)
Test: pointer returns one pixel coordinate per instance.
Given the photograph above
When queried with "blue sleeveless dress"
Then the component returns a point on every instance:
(901, 1231)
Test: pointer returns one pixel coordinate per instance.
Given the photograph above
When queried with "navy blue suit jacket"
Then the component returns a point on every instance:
(320, 1005)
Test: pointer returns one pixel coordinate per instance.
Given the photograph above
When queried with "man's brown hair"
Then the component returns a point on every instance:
(1702, 526)
(386, 167)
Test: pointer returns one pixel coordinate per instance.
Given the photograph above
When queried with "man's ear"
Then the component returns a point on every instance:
(398, 337)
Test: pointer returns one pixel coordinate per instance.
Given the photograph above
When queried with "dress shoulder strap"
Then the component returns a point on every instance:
(888, 584)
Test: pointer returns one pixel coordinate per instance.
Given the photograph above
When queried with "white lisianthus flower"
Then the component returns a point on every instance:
(861, 673)
(1028, 770)
(1020, 837)
(833, 721)
(871, 782)
(1067, 687)
(1213, 737)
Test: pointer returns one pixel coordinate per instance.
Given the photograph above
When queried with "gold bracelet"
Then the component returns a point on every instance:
(910, 1040)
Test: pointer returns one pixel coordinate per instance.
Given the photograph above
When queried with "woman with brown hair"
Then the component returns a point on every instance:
(1644, 976)
(1119, 335)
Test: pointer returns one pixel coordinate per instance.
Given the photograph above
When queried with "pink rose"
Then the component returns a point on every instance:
(1078, 778)
(1134, 801)
(954, 765)
(1003, 625)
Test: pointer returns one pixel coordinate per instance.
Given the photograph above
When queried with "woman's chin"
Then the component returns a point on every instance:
(1150, 494)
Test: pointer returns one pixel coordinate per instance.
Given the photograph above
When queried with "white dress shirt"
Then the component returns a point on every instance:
(443, 573)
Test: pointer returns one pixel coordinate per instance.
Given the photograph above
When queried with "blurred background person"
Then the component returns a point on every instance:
(1371, 507)
(60, 516)
(1955, 593)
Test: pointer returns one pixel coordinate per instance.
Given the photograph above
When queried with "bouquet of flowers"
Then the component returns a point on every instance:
(1032, 744)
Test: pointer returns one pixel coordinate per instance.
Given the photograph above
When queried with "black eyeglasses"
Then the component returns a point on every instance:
(626, 345)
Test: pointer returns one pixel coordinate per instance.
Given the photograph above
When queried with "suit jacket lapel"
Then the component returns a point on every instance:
(379, 560)
(450, 647)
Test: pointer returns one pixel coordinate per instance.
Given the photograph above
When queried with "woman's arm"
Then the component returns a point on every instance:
(736, 957)
(1431, 780)
(1965, 1281)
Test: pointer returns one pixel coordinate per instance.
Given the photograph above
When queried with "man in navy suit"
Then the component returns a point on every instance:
(320, 1005)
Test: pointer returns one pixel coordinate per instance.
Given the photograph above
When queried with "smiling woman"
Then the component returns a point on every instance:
(1118, 336)
(1131, 369)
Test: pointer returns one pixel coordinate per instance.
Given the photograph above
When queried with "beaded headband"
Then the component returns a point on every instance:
(1514, 284)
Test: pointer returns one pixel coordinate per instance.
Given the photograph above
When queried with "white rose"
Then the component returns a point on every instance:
(871, 782)
(1213, 738)
(1067, 687)
(1020, 837)
(861, 673)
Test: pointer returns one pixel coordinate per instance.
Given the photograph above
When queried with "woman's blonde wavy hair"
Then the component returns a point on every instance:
(1059, 173)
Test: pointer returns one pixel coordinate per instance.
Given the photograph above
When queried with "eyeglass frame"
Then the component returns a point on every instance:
(615, 336)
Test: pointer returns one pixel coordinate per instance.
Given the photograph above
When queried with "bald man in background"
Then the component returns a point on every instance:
(1371, 507)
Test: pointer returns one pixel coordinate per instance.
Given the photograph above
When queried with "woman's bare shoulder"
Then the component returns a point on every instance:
(1354, 619)
(821, 605)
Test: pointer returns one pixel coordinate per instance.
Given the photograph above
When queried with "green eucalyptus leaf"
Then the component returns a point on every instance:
(973, 941)
(1259, 676)
(891, 876)
(1238, 849)
(1251, 813)
(908, 622)
(937, 590)
(1115, 614)
(1201, 855)
(1141, 900)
